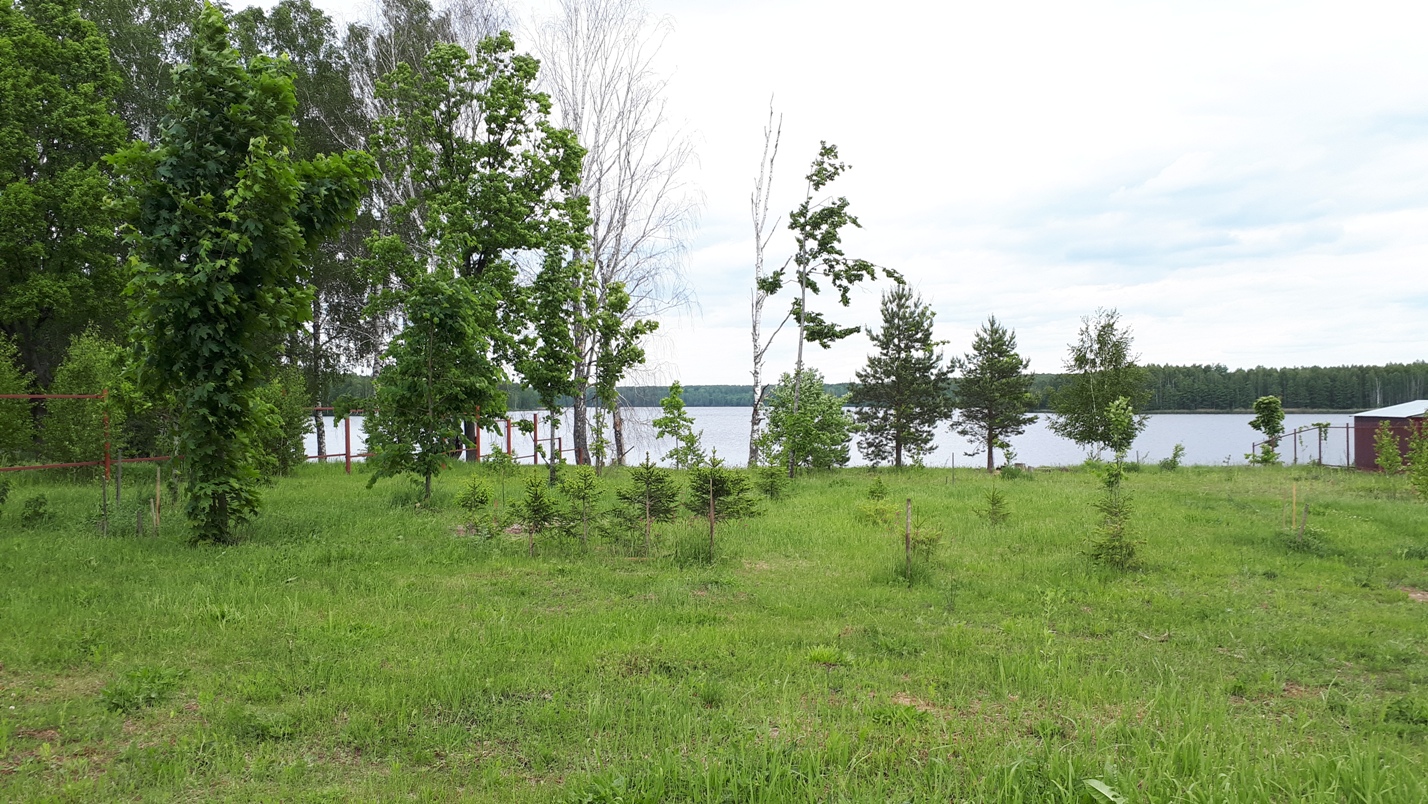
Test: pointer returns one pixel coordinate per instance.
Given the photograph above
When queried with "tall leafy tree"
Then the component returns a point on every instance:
(491, 182)
(147, 39)
(1103, 369)
(994, 393)
(904, 391)
(329, 119)
(59, 265)
(224, 220)
(17, 425)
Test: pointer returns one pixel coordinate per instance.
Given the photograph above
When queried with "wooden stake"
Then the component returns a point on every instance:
(907, 537)
(1294, 506)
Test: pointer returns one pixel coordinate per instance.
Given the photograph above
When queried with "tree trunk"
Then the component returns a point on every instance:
(580, 427)
(617, 421)
(469, 428)
(991, 454)
(798, 366)
(756, 418)
(319, 428)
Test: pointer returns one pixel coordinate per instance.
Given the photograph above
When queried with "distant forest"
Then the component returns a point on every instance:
(1173, 388)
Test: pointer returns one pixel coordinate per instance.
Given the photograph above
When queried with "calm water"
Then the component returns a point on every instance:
(1209, 439)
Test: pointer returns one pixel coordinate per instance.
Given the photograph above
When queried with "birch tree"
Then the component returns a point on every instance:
(597, 63)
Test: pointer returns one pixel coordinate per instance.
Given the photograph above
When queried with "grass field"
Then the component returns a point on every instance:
(356, 646)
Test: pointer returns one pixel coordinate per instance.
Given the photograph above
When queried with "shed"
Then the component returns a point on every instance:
(1401, 419)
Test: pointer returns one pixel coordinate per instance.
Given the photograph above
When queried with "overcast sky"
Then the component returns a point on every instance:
(1247, 182)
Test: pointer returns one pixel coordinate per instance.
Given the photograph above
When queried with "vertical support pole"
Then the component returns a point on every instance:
(158, 495)
(508, 435)
(535, 439)
(347, 440)
(907, 537)
(104, 400)
(119, 477)
(478, 439)
(1348, 452)
(1296, 448)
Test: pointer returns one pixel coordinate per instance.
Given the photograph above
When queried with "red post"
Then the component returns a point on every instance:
(535, 438)
(347, 440)
(478, 439)
(508, 436)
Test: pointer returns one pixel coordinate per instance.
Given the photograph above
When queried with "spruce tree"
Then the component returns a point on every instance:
(904, 392)
(994, 393)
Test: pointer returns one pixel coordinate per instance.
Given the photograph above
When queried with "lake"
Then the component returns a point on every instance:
(1209, 439)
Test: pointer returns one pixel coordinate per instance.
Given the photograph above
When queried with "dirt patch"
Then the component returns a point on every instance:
(1415, 594)
(903, 699)
(1293, 690)
(43, 735)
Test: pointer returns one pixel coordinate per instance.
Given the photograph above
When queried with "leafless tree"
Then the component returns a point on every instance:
(597, 63)
(759, 210)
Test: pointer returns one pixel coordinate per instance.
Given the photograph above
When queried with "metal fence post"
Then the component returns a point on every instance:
(347, 440)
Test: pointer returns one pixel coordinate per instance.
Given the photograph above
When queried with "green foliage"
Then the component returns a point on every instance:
(502, 465)
(816, 434)
(74, 428)
(4, 491)
(728, 489)
(904, 391)
(580, 486)
(539, 510)
(139, 689)
(877, 490)
(771, 481)
(1113, 544)
(59, 267)
(223, 221)
(1103, 369)
(1387, 456)
(35, 511)
(1172, 463)
(282, 419)
(679, 425)
(1418, 458)
(994, 394)
(439, 369)
(474, 496)
(994, 507)
(1269, 420)
(17, 427)
(650, 497)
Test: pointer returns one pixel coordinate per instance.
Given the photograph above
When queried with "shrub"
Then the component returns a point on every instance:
(36, 510)
(1112, 545)
(771, 481)
(4, 491)
(1385, 449)
(651, 497)
(1268, 419)
(1173, 462)
(878, 490)
(718, 493)
(74, 428)
(1418, 459)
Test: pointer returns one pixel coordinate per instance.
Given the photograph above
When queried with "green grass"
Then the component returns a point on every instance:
(358, 647)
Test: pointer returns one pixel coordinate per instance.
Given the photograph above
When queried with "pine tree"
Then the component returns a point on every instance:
(994, 393)
(904, 392)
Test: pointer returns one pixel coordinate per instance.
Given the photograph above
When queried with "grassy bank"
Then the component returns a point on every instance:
(356, 646)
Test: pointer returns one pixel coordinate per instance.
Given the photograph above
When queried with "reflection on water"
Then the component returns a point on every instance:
(1209, 439)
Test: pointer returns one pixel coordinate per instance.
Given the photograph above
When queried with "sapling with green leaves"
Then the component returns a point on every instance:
(1268, 419)
(474, 497)
(1172, 463)
(650, 497)
(1113, 545)
(679, 425)
(1418, 458)
(578, 484)
(1387, 455)
(502, 465)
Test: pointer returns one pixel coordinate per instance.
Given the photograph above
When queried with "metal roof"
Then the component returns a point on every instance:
(1414, 409)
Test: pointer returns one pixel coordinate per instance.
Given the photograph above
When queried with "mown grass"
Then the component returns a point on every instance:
(358, 647)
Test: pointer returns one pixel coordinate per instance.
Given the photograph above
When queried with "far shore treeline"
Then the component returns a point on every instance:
(1173, 388)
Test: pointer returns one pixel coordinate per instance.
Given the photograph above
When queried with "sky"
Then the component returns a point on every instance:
(1245, 182)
